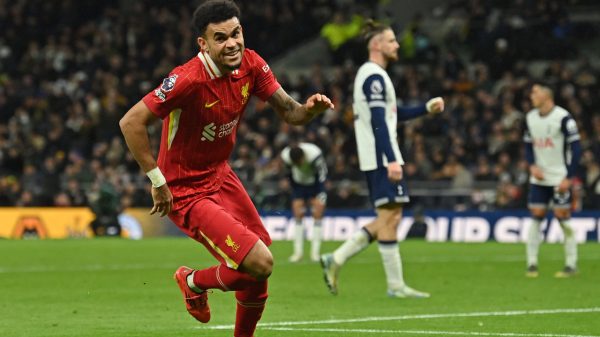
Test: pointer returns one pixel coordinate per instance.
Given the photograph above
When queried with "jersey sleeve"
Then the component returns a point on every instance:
(528, 145)
(527, 134)
(569, 129)
(571, 133)
(169, 95)
(265, 83)
(374, 90)
(406, 113)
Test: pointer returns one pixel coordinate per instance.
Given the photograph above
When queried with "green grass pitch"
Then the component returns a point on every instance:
(109, 287)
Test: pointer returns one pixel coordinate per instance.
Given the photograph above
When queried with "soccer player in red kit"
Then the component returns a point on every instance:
(201, 103)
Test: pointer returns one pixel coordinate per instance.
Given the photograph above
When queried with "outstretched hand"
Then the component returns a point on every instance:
(435, 105)
(318, 103)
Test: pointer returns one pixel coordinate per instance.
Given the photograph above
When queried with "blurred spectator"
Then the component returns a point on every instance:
(591, 180)
(67, 72)
(105, 202)
(340, 33)
(418, 229)
(346, 196)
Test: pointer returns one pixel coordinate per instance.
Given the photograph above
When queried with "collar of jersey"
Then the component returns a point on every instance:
(210, 65)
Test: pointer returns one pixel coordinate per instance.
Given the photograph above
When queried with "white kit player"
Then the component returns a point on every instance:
(376, 115)
(553, 150)
(307, 173)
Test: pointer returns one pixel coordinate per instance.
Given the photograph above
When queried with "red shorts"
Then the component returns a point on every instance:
(226, 222)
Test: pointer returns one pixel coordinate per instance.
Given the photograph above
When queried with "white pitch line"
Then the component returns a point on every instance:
(416, 317)
(429, 332)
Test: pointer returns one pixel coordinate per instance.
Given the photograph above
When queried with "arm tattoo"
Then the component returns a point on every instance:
(288, 109)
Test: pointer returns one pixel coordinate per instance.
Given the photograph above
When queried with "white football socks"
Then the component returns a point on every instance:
(570, 243)
(355, 244)
(392, 264)
(534, 238)
(317, 236)
(298, 238)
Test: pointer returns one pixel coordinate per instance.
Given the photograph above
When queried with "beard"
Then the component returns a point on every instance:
(232, 67)
(392, 57)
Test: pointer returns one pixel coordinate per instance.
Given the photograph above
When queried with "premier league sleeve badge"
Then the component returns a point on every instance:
(168, 83)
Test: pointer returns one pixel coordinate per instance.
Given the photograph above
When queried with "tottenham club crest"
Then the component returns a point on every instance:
(168, 83)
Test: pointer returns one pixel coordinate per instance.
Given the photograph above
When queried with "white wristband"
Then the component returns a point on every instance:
(156, 177)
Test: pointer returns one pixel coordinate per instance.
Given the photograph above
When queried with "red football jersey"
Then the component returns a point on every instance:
(201, 109)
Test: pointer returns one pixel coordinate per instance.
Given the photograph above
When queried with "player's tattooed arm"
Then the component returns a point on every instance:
(287, 107)
(295, 113)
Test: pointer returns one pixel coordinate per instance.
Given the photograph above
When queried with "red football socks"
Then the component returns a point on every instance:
(221, 277)
(251, 294)
(250, 306)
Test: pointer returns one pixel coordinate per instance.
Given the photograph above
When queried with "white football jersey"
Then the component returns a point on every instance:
(550, 137)
(314, 168)
(373, 88)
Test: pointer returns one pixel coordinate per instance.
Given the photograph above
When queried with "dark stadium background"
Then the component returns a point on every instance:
(70, 69)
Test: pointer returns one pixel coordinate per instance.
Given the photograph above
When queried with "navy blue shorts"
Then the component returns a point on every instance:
(540, 196)
(307, 192)
(382, 191)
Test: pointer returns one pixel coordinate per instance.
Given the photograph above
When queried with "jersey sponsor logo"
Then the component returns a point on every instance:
(245, 93)
(227, 129)
(232, 244)
(210, 105)
(160, 95)
(209, 132)
(169, 83)
(265, 68)
(212, 131)
(543, 143)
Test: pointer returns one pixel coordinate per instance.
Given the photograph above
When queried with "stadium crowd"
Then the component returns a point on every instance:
(68, 72)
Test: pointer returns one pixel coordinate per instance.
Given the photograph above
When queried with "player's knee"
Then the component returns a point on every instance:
(563, 219)
(259, 262)
(538, 213)
(562, 214)
(264, 268)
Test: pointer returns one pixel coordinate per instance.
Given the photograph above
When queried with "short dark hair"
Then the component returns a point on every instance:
(296, 154)
(546, 86)
(213, 11)
(372, 28)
